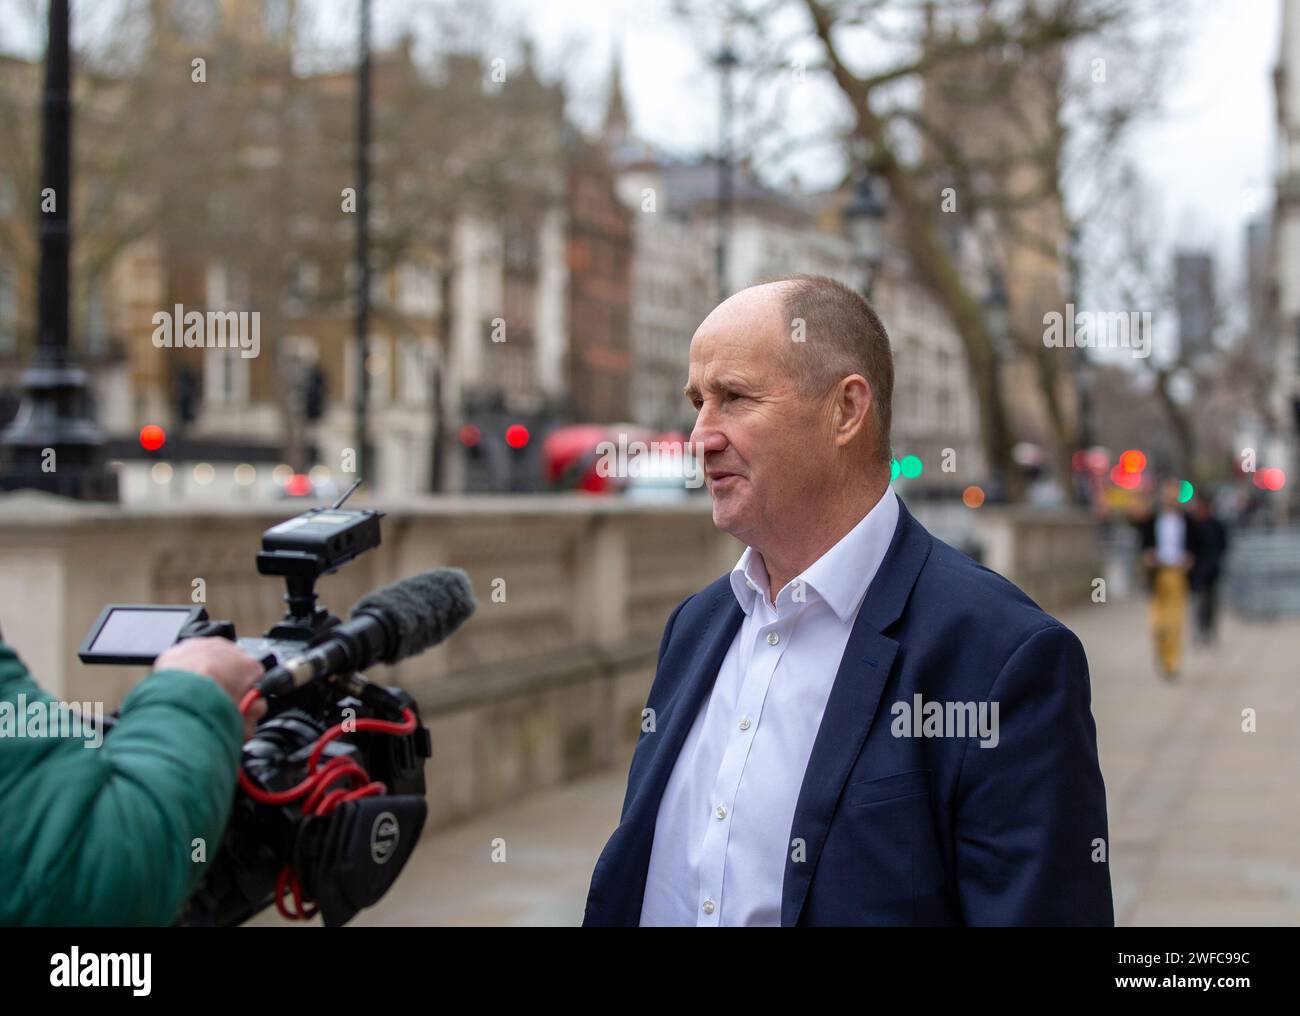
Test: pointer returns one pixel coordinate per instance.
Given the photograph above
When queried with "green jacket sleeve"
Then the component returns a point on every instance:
(119, 833)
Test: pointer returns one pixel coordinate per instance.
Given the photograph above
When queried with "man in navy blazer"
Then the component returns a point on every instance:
(898, 736)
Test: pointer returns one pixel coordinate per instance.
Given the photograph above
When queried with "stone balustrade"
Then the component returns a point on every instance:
(544, 683)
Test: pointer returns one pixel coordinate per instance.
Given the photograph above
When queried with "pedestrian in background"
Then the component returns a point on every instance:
(1168, 553)
(1210, 540)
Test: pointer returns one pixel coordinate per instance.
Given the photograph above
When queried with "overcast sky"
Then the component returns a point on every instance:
(1209, 155)
(1216, 135)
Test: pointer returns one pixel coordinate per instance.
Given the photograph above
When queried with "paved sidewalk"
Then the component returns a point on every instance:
(1204, 819)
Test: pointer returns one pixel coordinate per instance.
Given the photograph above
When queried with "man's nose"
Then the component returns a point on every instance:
(706, 435)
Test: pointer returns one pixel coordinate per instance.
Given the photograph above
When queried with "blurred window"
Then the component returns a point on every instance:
(8, 311)
(195, 20)
(415, 371)
(275, 20)
(96, 321)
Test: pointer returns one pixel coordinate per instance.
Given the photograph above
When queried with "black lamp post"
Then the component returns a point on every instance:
(997, 320)
(53, 443)
(726, 61)
(997, 317)
(361, 426)
(864, 222)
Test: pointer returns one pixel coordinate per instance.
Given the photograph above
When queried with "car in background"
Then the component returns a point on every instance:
(571, 461)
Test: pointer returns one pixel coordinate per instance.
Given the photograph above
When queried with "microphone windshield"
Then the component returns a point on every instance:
(423, 609)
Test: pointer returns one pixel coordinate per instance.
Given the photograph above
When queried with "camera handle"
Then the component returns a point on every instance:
(303, 621)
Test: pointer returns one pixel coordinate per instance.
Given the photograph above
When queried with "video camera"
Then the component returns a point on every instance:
(331, 799)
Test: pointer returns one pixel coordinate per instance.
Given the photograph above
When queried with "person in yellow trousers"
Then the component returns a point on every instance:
(1167, 544)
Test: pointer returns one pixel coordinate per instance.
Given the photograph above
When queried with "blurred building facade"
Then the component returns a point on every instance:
(600, 253)
(1194, 301)
(1285, 278)
(521, 272)
(482, 197)
(991, 121)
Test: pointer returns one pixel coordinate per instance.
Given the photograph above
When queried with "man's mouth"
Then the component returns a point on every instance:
(723, 479)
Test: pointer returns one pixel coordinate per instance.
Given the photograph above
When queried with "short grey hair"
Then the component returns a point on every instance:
(848, 338)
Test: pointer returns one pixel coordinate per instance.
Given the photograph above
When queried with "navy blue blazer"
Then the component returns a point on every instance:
(907, 830)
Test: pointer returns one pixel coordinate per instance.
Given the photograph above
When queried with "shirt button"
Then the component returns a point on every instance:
(744, 723)
(773, 638)
(708, 906)
(721, 811)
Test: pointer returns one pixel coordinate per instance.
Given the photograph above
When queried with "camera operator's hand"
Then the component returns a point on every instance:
(223, 661)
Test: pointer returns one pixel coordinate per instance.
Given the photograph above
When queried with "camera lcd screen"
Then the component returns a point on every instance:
(134, 635)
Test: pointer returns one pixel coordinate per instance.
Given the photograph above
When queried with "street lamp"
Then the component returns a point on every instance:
(864, 222)
(996, 316)
(998, 322)
(726, 61)
(54, 443)
(361, 425)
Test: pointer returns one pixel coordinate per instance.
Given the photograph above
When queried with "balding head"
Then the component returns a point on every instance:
(758, 308)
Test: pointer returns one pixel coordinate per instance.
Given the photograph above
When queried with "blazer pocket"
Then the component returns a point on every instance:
(886, 788)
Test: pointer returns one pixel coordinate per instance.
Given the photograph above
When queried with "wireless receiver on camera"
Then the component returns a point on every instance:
(388, 625)
(307, 546)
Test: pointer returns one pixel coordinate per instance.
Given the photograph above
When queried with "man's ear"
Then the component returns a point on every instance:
(854, 401)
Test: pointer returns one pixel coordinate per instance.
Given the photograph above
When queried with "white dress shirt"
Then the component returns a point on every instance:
(1171, 536)
(723, 828)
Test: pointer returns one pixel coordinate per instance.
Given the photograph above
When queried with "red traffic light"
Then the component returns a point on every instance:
(152, 437)
(1270, 479)
(1125, 480)
(469, 435)
(1133, 461)
(516, 435)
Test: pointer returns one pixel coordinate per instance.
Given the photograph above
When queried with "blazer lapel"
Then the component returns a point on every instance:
(671, 727)
(851, 708)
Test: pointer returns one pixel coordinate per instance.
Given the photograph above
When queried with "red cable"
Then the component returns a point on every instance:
(288, 877)
(345, 768)
(318, 799)
(380, 726)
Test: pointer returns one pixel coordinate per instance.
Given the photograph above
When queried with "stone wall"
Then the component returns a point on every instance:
(544, 683)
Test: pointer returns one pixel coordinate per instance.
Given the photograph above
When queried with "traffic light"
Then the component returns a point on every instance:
(517, 439)
(187, 395)
(152, 437)
(313, 399)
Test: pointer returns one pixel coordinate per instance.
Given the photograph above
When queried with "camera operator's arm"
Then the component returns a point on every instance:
(108, 834)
